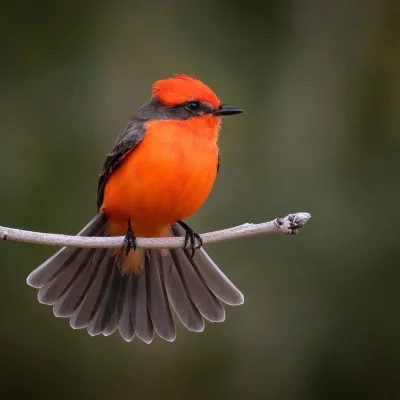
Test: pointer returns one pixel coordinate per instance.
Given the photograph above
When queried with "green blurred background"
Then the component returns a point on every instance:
(320, 82)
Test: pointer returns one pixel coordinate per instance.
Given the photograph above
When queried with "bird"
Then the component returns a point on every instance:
(160, 171)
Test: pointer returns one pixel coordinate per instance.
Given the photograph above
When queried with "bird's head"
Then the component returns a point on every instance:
(184, 97)
(191, 95)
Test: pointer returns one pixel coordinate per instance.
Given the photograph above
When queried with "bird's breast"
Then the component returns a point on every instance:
(167, 177)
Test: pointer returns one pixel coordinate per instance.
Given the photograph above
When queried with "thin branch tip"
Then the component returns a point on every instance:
(288, 225)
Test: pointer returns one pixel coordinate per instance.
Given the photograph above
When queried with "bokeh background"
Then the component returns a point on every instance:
(320, 82)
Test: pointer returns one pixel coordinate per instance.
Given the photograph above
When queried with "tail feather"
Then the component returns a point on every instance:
(112, 326)
(186, 311)
(157, 300)
(212, 276)
(204, 300)
(61, 260)
(124, 309)
(56, 289)
(89, 287)
(67, 305)
(215, 279)
(108, 304)
(88, 309)
(140, 316)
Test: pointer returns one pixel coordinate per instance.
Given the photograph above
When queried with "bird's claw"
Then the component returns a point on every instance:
(130, 240)
(192, 238)
(195, 240)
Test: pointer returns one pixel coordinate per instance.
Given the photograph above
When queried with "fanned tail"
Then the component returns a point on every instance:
(87, 286)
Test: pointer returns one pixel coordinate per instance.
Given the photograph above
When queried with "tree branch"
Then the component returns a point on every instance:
(287, 225)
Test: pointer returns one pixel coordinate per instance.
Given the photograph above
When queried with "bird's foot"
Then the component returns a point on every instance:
(130, 239)
(192, 238)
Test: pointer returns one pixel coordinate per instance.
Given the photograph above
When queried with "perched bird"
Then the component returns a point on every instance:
(160, 171)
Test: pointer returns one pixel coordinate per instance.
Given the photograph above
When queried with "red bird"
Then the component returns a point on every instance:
(160, 171)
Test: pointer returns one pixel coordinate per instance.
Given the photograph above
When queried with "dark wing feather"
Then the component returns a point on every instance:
(127, 140)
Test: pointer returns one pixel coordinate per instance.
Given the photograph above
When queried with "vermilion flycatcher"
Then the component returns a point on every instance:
(160, 171)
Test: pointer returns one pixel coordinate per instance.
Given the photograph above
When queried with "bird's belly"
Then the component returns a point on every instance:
(165, 179)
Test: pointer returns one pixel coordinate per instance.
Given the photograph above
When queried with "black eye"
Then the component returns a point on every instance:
(192, 106)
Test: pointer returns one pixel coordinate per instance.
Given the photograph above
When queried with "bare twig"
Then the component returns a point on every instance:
(287, 225)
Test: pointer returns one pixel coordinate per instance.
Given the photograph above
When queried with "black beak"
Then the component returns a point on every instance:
(227, 110)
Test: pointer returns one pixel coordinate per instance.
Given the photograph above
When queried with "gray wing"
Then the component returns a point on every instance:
(127, 140)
